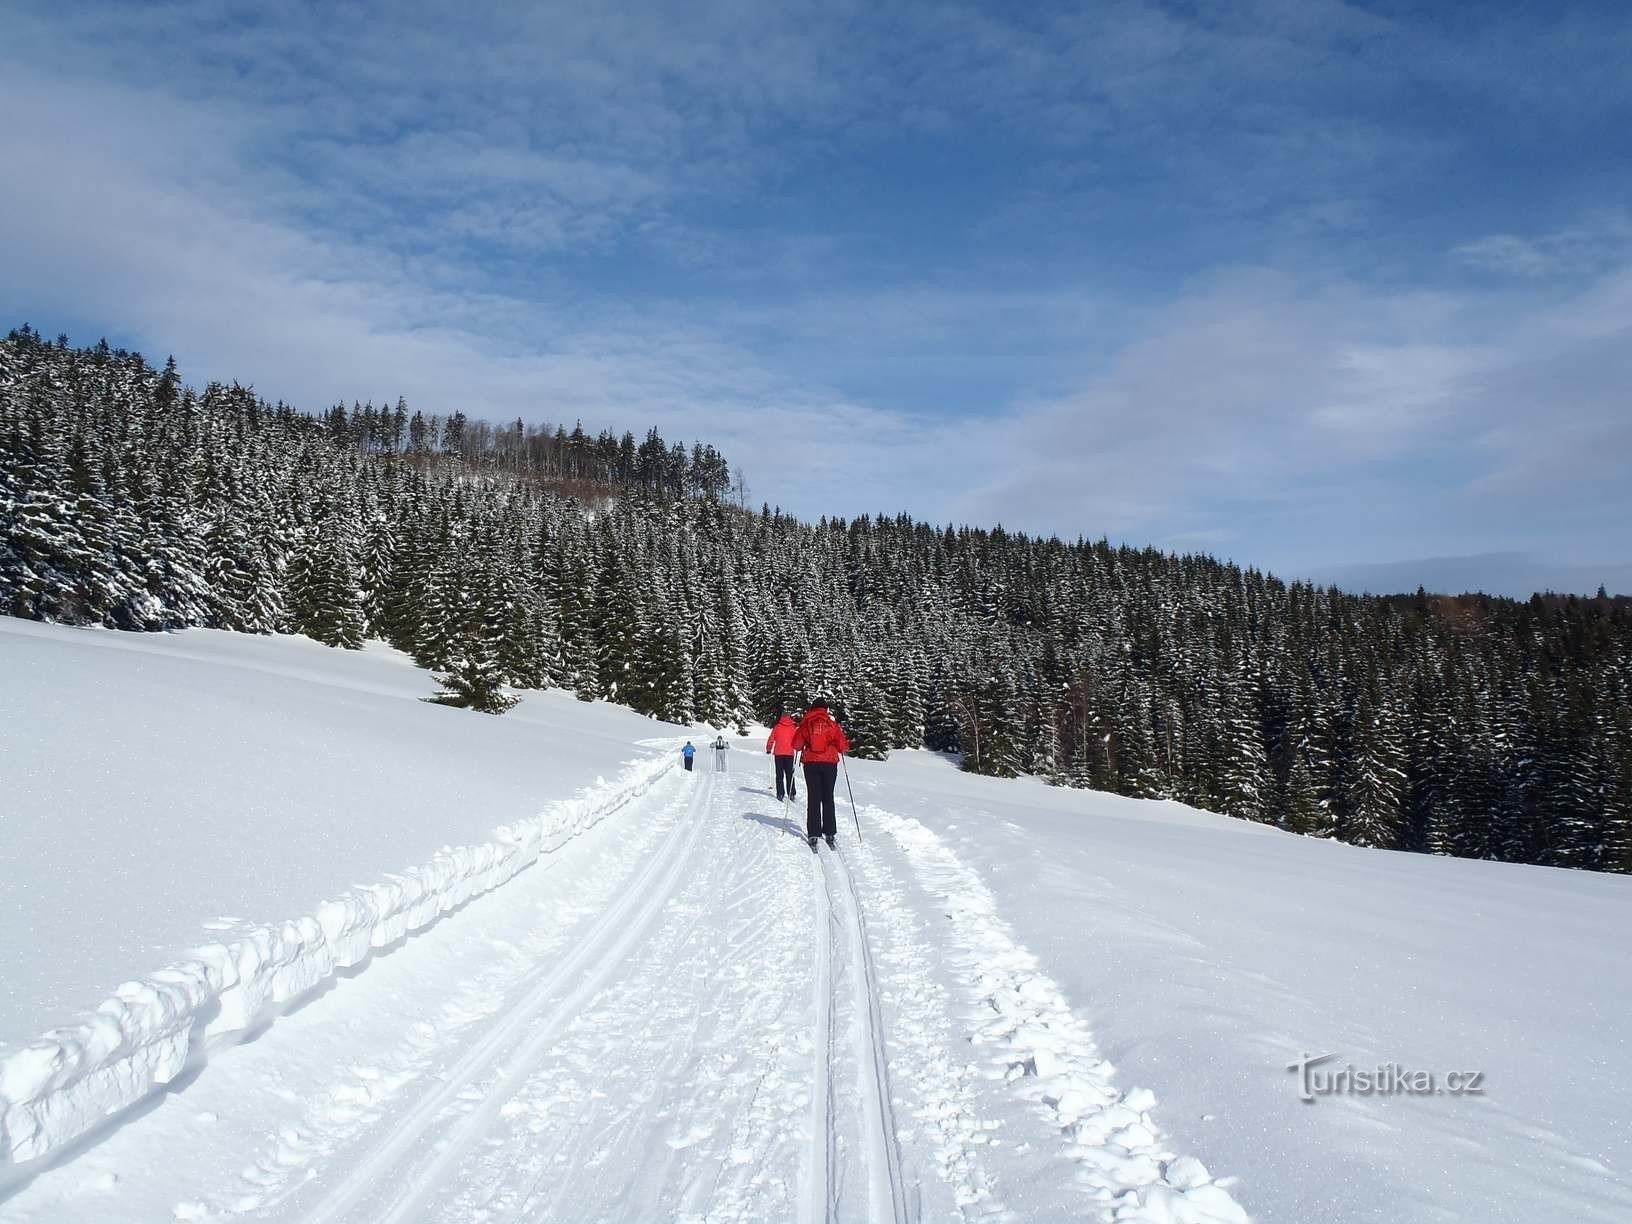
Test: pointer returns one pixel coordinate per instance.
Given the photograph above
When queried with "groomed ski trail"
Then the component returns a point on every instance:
(687, 1016)
(887, 1196)
(817, 1203)
(547, 1009)
(677, 1091)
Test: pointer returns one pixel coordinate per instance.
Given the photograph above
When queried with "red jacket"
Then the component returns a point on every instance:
(781, 739)
(820, 725)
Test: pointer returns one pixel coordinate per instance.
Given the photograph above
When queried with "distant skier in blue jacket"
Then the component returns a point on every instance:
(688, 752)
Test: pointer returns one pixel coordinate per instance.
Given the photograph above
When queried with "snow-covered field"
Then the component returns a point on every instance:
(230, 821)
(643, 998)
(1205, 954)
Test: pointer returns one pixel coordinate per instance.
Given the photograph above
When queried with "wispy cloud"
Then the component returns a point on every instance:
(1577, 250)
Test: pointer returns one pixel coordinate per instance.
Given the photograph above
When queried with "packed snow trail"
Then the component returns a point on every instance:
(887, 1193)
(541, 1015)
(816, 1204)
(842, 956)
(682, 1015)
(676, 1092)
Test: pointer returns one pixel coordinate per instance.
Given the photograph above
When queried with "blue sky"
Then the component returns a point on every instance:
(1344, 291)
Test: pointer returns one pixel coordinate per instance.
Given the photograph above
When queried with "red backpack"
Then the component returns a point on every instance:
(819, 731)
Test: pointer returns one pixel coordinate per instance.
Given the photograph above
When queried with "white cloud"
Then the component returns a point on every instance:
(1605, 241)
(312, 230)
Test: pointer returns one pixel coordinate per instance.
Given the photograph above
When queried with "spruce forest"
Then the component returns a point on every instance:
(629, 571)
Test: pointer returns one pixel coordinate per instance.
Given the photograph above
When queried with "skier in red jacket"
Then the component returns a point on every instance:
(780, 744)
(821, 741)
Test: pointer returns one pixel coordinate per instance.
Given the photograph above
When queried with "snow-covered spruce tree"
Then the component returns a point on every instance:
(733, 648)
(1519, 720)
(377, 563)
(528, 650)
(619, 621)
(570, 579)
(241, 580)
(1085, 733)
(326, 600)
(1615, 839)
(1575, 785)
(473, 683)
(422, 537)
(45, 555)
(439, 615)
(1431, 798)
(864, 706)
(1139, 773)
(1039, 742)
(1372, 813)
(1245, 780)
(907, 683)
(774, 676)
(990, 723)
(676, 615)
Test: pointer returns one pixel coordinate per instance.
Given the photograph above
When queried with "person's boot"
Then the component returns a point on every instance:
(812, 842)
(830, 844)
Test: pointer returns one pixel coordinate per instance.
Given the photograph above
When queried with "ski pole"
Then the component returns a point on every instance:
(853, 811)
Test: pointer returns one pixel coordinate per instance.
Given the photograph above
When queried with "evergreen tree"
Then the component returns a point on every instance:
(473, 683)
(1245, 781)
(1376, 777)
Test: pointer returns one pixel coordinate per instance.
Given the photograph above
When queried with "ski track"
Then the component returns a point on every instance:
(817, 1202)
(546, 1009)
(887, 1193)
(1046, 1054)
(63, 1086)
(940, 1089)
(705, 1029)
(697, 1115)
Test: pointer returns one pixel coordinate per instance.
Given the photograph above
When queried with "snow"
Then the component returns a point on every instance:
(1008, 1003)
(239, 818)
(1205, 954)
(1041, 1044)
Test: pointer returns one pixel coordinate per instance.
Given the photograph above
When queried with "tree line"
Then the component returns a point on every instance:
(1467, 725)
(548, 453)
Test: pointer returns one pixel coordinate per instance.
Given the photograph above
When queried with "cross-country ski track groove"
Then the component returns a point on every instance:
(886, 1192)
(551, 1004)
(817, 1202)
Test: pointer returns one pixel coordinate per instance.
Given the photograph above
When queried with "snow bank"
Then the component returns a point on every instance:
(58, 1087)
(1207, 954)
(165, 797)
(1049, 1055)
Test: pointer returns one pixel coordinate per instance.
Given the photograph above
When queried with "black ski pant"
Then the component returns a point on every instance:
(784, 777)
(688, 764)
(820, 818)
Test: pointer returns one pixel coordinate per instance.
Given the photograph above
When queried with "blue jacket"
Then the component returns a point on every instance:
(688, 751)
